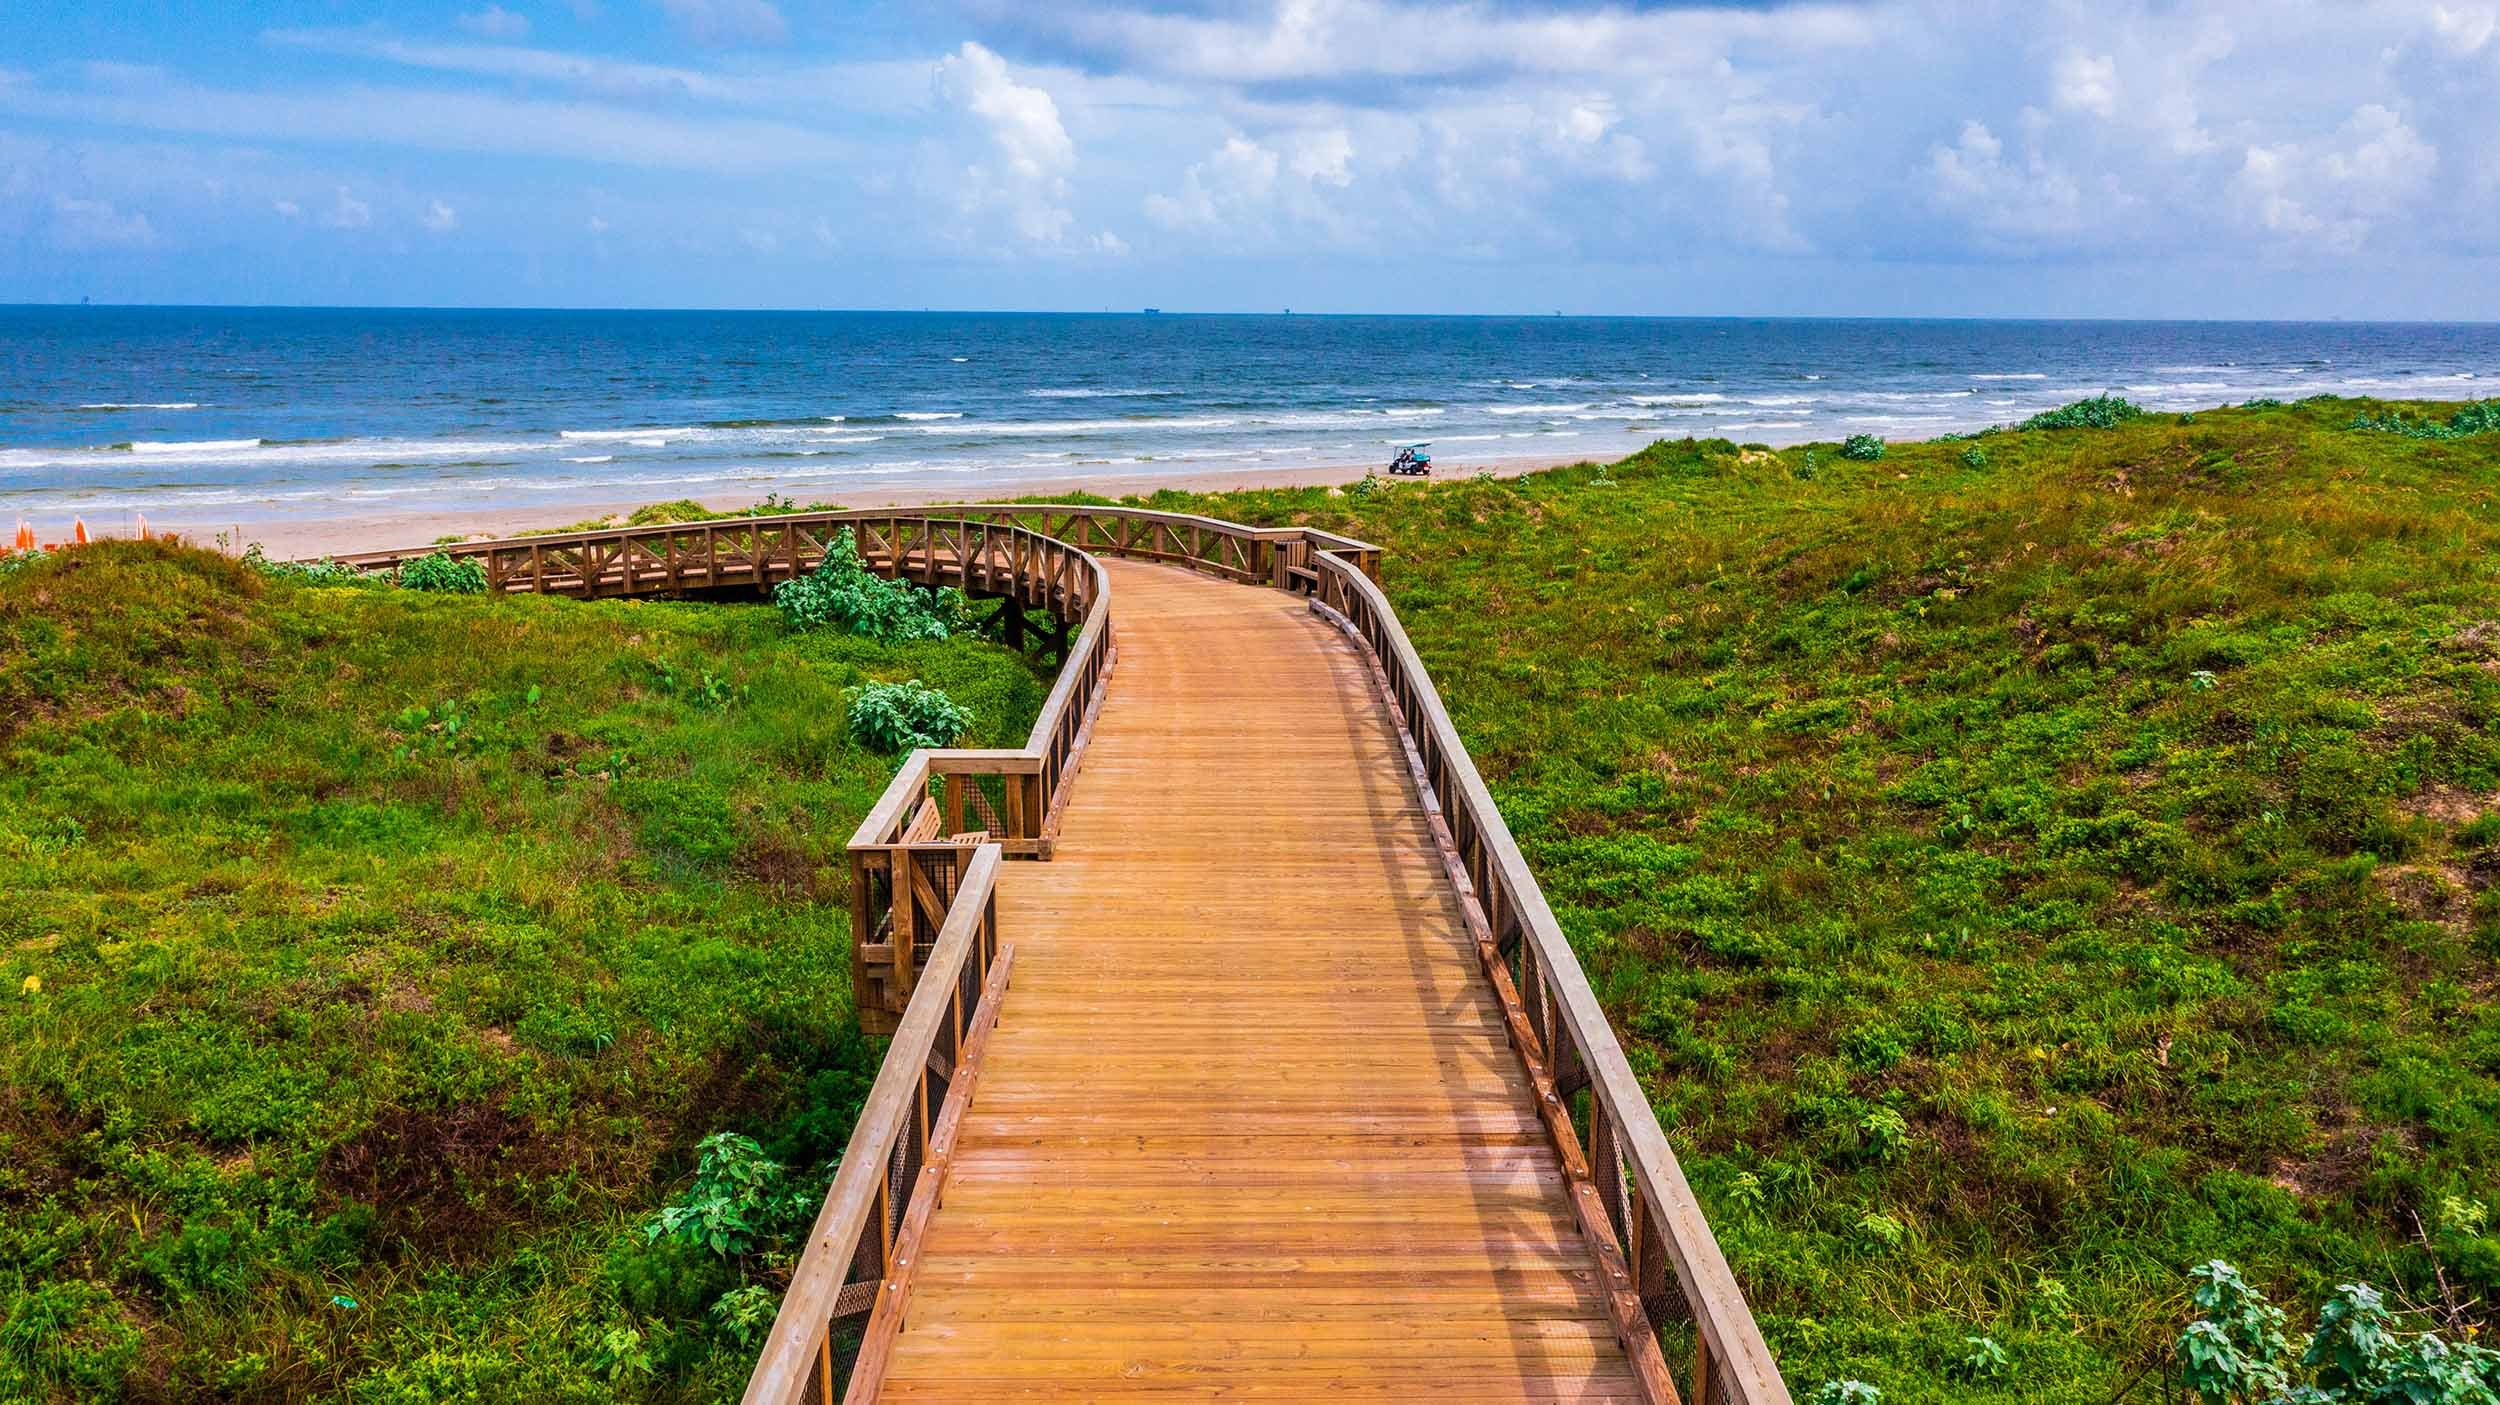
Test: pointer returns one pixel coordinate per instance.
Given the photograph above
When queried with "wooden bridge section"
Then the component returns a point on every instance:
(1250, 1125)
(1270, 1076)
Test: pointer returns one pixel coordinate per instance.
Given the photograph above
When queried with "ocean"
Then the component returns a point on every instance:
(206, 414)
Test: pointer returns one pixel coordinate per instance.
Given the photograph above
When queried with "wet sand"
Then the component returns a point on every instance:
(314, 536)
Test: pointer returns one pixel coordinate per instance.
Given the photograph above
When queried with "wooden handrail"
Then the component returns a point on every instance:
(1567, 1040)
(674, 556)
(928, 1068)
(900, 878)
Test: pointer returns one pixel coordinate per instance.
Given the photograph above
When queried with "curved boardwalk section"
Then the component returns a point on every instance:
(1249, 1126)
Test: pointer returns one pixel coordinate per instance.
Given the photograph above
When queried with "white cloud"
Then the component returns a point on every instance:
(2465, 29)
(1231, 188)
(2026, 201)
(496, 22)
(595, 226)
(616, 78)
(1552, 133)
(449, 121)
(2087, 83)
(728, 21)
(2330, 195)
(1324, 158)
(1030, 153)
(1313, 39)
(79, 225)
(348, 212)
(441, 218)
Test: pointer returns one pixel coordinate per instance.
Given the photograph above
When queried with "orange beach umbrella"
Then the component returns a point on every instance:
(25, 536)
(78, 530)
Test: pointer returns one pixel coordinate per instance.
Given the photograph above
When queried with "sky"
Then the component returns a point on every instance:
(2241, 158)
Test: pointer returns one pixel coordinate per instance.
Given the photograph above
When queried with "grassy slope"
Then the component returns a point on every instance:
(2015, 883)
(339, 1004)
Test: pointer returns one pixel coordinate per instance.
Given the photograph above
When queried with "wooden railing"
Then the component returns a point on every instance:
(905, 852)
(923, 544)
(1654, 1244)
(865, 1241)
(1277, 556)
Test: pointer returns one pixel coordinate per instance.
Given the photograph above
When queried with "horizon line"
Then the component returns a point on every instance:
(1279, 314)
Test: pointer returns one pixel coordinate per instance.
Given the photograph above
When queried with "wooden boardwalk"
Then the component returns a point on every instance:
(1250, 1126)
(1266, 1073)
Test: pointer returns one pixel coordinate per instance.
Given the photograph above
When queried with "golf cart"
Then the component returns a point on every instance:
(1412, 459)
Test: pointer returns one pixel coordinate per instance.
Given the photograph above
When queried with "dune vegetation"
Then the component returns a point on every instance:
(377, 965)
(2023, 867)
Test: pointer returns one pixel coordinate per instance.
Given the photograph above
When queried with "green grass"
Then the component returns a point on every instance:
(371, 963)
(2017, 878)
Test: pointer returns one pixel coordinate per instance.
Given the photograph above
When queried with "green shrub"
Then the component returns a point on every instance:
(733, 1202)
(12, 562)
(1984, 1361)
(1974, 457)
(2099, 412)
(317, 572)
(903, 716)
(440, 572)
(1846, 1393)
(2360, 1353)
(842, 593)
(1865, 448)
(2480, 417)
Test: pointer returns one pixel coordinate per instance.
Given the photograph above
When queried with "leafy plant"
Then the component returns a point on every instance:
(12, 562)
(1974, 457)
(1884, 1132)
(746, 1313)
(732, 1200)
(904, 716)
(1845, 1393)
(444, 573)
(315, 572)
(2235, 1350)
(2479, 417)
(2359, 1353)
(2098, 412)
(620, 1356)
(842, 593)
(1985, 1360)
(703, 689)
(1865, 448)
(1879, 1231)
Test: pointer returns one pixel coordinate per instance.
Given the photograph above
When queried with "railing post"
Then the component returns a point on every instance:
(898, 987)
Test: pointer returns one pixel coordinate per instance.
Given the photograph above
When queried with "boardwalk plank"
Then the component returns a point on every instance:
(1250, 1128)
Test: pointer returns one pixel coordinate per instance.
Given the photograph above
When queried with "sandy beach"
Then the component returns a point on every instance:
(292, 537)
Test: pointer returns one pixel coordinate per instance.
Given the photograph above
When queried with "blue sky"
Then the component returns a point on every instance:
(1905, 157)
